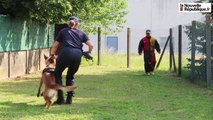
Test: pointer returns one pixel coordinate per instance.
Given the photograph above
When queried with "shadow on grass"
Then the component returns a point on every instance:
(95, 109)
(90, 84)
(29, 86)
(128, 92)
(11, 110)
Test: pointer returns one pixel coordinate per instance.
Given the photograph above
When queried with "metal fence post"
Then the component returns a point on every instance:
(170, 49)
(39, 58)
(9, 65)
(26, 64)
(193, 49)
(208, 52)
(99, 45)
(161, 56)
(173, 58)
(128, 47)
(179, 50)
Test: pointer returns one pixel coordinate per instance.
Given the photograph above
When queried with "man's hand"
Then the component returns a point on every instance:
(87, 55)
(159, 52)
(55, 47)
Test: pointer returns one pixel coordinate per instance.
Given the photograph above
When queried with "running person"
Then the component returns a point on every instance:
(71, 39)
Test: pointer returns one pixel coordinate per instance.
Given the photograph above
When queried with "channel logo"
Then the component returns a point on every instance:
(195, 7)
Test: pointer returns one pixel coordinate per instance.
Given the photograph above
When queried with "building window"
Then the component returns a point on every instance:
(112, 43)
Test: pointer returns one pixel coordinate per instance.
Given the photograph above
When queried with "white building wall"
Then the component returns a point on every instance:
(157, 15)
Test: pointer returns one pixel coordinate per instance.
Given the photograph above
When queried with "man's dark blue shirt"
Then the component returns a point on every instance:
(72, 37)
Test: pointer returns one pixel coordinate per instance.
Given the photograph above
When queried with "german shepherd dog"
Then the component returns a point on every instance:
(49, 81)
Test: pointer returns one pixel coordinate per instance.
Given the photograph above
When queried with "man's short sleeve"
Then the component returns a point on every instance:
(59, 37)
(85, 38)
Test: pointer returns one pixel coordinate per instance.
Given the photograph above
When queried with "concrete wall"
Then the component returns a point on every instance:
(3, 65)
(18, 34)
(22, 44)
(17, 63)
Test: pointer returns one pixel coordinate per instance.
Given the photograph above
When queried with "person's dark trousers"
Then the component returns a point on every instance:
(147, 64)
(152, 61)
(71, 58)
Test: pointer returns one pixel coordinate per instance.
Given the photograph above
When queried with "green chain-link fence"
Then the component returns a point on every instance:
(17, 34)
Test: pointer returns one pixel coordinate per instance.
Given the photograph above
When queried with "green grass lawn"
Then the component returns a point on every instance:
(111, 92)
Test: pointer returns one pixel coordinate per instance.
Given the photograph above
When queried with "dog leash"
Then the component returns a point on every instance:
(88, 58)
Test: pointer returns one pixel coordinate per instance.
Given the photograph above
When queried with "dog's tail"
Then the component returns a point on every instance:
(39, 89)
(68, 88)
(64, 88)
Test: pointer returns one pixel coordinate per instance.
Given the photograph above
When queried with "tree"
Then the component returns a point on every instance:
(200, 43)
(108, 14)
(43, 11)
(200, 33)
(205, 1)
(103, 13)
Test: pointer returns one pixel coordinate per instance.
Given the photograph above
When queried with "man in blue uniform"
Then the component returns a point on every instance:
(71, 39)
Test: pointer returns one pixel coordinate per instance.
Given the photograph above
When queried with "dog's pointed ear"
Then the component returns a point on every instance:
(53, 56)
(45, 57)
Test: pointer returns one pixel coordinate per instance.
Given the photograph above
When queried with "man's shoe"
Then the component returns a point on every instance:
(60, 99)
(148, 74)
(152, 73)
(69, 98)
(59, 102)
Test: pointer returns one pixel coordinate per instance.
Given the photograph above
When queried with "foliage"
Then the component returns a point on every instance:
(108, 14)
(200, 45)
(205, 1)
(200, 33)
(39, 10)
(200, 42)
(51, 10)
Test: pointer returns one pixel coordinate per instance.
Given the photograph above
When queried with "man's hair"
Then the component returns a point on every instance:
(148, 31)
(73, 22)
(74, 18)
